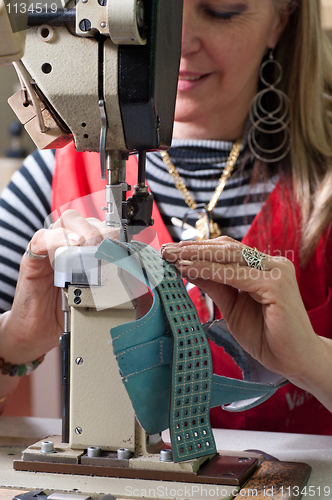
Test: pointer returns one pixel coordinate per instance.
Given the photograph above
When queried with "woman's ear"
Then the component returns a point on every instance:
(280, 23)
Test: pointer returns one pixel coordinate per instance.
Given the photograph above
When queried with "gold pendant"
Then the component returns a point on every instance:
(201, 228)
(214, 230)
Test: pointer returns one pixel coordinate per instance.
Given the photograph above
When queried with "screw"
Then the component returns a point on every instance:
(85, 25)
(228, 474)
(77, 292)
(79, 361)
(130, 211)
(77, 300)
(78, 430)
(140, 13)
(103, 24)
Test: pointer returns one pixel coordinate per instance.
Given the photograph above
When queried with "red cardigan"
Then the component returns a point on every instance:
(275, 230)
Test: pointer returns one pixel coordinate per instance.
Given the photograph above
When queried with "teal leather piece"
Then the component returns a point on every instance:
(227, 390)
(149, 384)
(258, 382)
(150, 327)
(158, 352)
(179, 398)
(190, 378)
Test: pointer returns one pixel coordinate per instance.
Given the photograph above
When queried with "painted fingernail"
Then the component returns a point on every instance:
(185, 262)
(75, 237)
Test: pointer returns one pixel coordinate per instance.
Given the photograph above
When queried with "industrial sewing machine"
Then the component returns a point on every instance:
(104, 74)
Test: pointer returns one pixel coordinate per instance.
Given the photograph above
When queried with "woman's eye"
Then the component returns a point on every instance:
(225, 12)
(221, 15)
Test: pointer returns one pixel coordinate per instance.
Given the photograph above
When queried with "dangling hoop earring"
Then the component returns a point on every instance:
(274, 123)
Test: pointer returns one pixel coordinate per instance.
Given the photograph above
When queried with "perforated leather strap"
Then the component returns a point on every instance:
(191, 387)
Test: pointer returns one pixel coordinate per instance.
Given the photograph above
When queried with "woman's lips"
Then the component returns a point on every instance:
(190, 81)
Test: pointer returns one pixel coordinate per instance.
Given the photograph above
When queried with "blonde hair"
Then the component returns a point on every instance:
(305, 54)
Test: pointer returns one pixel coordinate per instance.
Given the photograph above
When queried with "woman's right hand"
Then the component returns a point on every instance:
(35, 323)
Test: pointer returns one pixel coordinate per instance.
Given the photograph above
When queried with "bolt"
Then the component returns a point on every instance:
(78, 430)
(103, 24)
(47, 447)
(166, 456)
(94, 451)
(123, 453)
(79, 361)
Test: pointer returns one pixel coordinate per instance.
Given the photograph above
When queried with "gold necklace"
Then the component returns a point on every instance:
(206, 218)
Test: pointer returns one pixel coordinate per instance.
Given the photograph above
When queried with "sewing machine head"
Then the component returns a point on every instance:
(123, 52)
(103, 74)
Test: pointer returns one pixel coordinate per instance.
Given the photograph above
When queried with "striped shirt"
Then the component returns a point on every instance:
(200, 164)
(25, 204)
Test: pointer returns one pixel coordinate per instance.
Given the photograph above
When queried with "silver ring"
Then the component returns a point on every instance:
(253, 257)
(32, 255)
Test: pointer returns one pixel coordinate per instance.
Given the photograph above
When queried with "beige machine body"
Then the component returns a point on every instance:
(100, 410)
(59, 74)
(11, 42)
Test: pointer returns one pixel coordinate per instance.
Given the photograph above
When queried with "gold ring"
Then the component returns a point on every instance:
(253, 257)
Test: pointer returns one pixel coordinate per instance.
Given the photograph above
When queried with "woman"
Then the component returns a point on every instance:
(231, 53)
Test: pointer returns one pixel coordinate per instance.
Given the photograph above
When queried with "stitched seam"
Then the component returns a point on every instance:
(138, 326)
(137, 347)
(243, 387)
(161, 357)
(141, 371)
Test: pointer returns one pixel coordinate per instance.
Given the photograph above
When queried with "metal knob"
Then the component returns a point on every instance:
(166, 456)
(47, 447)
(94, 451)
(123, 453)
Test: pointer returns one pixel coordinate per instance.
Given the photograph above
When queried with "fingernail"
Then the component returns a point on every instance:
(75, 237)
(185, 262)
(173, 249)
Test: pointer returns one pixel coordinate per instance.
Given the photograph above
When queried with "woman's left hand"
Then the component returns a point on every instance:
(263, 308)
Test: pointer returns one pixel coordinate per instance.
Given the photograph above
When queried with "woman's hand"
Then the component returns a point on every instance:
(34, 324)
(263, 308)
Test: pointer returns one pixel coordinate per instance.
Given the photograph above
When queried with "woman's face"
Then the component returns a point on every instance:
(223, 43)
